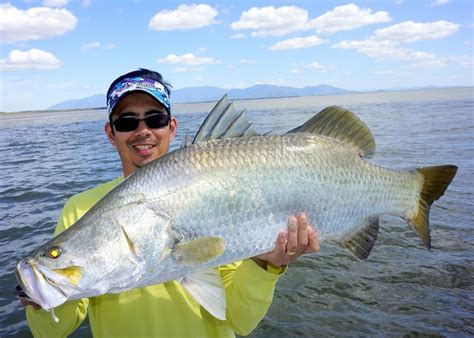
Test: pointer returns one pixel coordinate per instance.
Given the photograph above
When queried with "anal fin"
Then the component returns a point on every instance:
(207, 288)
(361, 242)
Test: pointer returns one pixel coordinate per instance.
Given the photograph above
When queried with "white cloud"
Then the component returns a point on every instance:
(55, 3)
(390, 73)
(437, 63)
(91, 45)
(387, 43)
(298, 42)
(315, 65)
(271, 21)
(384, 50)
(188, 59)
(66, 85)
(432, 60)
(86, 3)
(463, 60)
(440, 2)
(410, 31)
(347, 17)
(34, 23)
(184, 17)
(247, 61)
(375, 48)
(188, 69)
(34, 58)
(237, 36)
(312, 66)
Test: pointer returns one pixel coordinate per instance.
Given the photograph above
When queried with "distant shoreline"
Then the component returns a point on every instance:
(51, 110)
(240, 100)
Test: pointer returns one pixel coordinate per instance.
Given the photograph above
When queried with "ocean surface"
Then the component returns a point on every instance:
(402, 289)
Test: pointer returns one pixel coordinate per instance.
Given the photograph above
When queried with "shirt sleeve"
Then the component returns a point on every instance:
(249, 291)
(70, 314)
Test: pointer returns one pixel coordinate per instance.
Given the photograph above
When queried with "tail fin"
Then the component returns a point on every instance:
(435, 181)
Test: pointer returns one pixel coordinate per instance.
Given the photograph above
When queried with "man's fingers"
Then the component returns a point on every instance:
(281, 243)
(27, 302)
(313, 241)
(300, 238)
(292, 241)
(302, 231)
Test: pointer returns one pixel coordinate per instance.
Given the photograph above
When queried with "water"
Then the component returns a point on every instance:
(402, 289)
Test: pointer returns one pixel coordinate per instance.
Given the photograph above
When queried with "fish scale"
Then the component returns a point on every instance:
(240, 183)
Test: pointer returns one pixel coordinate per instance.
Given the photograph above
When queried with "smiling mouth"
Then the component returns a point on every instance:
(143, 148)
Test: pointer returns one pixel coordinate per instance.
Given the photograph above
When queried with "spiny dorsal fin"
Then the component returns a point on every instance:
(224, 122)
(187, 140)
(361, 242)
(341, 124)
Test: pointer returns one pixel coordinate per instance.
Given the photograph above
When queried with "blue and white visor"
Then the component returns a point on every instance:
(132, 84)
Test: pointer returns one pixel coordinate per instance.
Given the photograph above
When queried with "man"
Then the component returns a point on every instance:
(141, 128)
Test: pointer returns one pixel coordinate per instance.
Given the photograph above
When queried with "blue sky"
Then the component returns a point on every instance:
(58, 50)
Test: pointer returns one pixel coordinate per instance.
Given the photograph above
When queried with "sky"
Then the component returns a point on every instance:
(58, 50)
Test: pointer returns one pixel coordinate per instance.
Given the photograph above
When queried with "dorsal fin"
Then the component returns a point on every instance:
(341, 124)
(224, 122)
(187, 140)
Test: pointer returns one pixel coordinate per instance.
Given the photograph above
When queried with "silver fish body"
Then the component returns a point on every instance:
(217, 202)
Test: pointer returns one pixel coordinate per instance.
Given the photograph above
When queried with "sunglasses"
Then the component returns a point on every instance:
(153, 120)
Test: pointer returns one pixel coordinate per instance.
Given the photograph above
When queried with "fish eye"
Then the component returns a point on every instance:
(54, 252)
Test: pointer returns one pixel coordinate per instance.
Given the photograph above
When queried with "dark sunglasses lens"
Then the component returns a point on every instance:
(157, 121)
(126, 124)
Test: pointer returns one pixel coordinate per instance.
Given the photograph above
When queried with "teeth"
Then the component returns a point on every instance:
(143, 147)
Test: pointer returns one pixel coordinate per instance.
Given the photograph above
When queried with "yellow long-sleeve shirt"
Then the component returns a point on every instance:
(163, 310)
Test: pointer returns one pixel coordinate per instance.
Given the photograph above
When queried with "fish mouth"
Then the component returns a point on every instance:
(47, 287)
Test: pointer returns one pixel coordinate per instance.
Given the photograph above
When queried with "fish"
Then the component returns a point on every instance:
(223, 197)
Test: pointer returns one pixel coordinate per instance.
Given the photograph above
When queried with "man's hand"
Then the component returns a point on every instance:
(299, 239)
(29, 302)
(23, 297)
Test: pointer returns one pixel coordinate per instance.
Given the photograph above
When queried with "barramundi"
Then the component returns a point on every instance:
(224, 197)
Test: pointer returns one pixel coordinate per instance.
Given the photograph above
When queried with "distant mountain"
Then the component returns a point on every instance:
(197, 94)
(95, 101)
(266, 91)
(207, 93)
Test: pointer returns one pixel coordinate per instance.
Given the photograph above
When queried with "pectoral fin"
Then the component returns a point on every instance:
(361, 242)
(198, 251)
(207, 289)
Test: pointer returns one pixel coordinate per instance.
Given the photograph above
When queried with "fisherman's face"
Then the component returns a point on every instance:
(144, 144)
